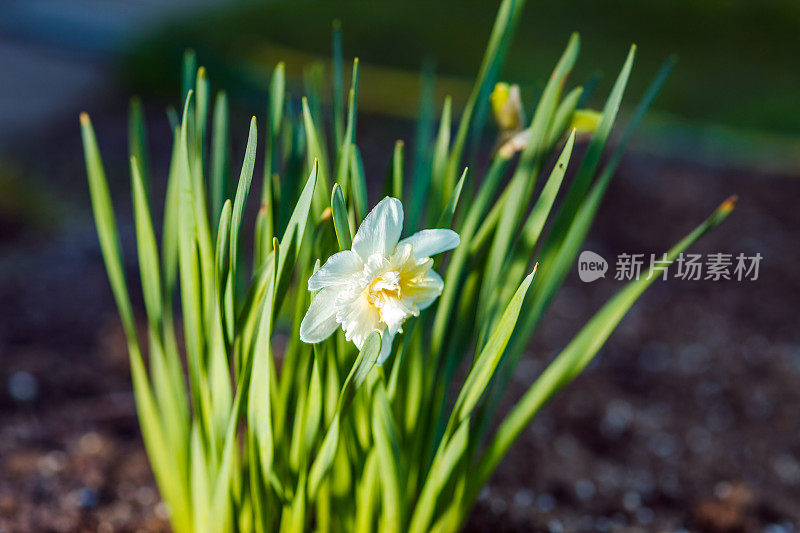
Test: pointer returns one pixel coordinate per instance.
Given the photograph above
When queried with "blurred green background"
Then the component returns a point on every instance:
(737, 59)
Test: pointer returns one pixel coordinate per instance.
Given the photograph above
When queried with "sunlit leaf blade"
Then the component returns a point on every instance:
(505, 23)
(384, 432)
(521, 186)
(486, 362)
(137, 141)
(339, 213)
(220, 155)
(146, 244)
(559, 251)
(106, 225)
(397, 171)
(242, 191)
(580, 351)
(367, 357)
(450, 209)
(293, 236)
(438, 476)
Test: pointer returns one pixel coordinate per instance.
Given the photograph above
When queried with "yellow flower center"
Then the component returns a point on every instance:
(383, 287)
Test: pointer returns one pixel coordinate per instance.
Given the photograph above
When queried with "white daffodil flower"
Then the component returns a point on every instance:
(377, 284)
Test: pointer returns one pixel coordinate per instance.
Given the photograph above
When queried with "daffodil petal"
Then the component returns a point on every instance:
(381, 230)
(430, 242)
(320, 320)
(337, 270)
(428, 290)
(358, 318)
(395, 311)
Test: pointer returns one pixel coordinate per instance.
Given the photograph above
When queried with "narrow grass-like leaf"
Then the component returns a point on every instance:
(367, 357)
(137, 141)
(242, 191)
(107, 228)
(339, 213)
(441, 151)
(504, 25)
(293, 235)
(446, 217)
(559, 251)
(563, 116)
(345, 147)
(201, 117)
(591, 160)
(169, 233)
(522, 183)
(437, 478)
(220, 155)
(316, 157)
(580, 351)
(397, 171)
(487, 361)
(358, 184)
(389, 461)
(188, 73)
(537, 218)
(147, 248)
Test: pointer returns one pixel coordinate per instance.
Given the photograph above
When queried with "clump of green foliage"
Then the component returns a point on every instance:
(249, 429)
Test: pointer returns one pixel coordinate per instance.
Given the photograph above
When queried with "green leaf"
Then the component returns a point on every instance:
(222, 263)
(522, 183)
(242, 191)
(458, 260)
(384, 431)
(316, 158)
(147, 248)
(442, 468)
(169, 234)
(201, 484)
(293, 236)
(220, 155)
(367, 357)
(339, 214)
(422, 145)
(201, 118)
(580, 351)
(534, 225)
(508, 15)
(259, 404)
(107, 228)
(439, 180)
(397, 171)
(189, 72)
(591, 160)
(562, 246)
(563, 116)
(359, 183)
(487, 361)
(450, 209)
(137, 141)
(269, 213)
(345, 146)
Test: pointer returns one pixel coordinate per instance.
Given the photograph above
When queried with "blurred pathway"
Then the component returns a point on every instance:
(56, 55)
